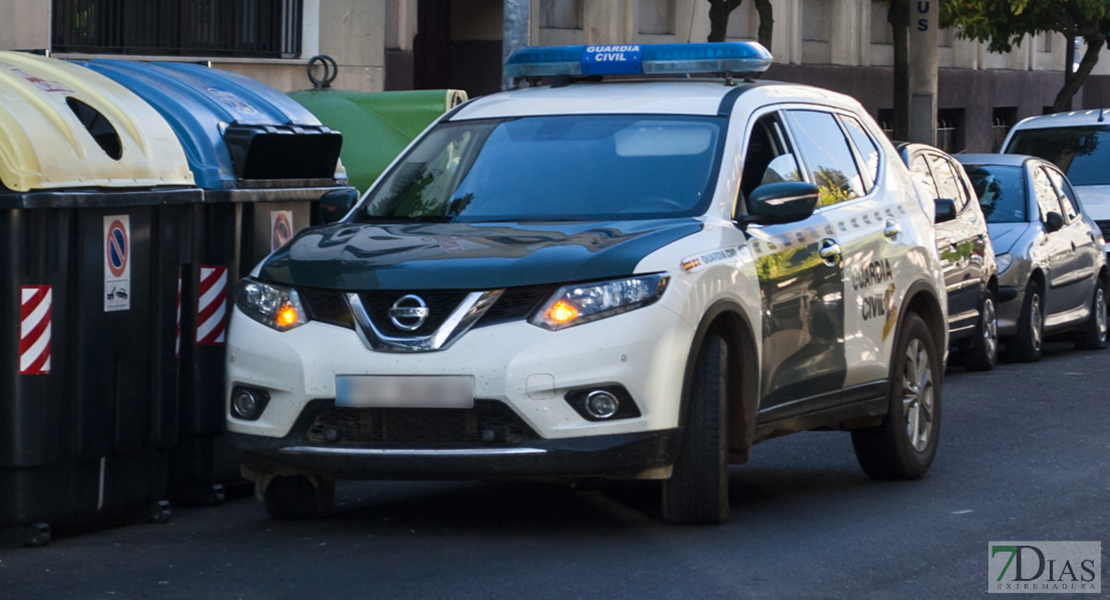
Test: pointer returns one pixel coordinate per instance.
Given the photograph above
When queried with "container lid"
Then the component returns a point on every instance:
(62, 126)
(236, 131)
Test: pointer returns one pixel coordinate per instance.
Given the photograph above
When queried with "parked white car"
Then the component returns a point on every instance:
(627, 279)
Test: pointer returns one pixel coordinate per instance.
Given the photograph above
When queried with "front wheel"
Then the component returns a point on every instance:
(299, 497)
(982, 355)
(697, 492)
(905, 444)
(1093, 336)
(1027, 345)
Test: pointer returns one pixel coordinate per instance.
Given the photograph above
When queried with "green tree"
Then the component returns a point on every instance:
(1005, 23)
(719, 11)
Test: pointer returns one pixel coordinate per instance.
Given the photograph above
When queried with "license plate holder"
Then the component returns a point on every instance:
(404, 391)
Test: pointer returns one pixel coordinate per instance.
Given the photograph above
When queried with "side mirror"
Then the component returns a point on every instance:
(1053, 222)
(335, 204)
(946, 210)
(783, 202)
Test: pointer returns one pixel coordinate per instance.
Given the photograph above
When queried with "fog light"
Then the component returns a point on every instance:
(602, 404)
(248, 404)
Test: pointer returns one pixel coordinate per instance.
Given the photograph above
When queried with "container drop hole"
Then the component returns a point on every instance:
(98, 126)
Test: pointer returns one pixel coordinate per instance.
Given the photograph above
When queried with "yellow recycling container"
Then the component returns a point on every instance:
(94, 197)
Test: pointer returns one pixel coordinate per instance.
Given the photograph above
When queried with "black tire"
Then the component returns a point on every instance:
(1028, 344)
(697, 492)
(982, 354)
(298, 497)
(886, 451)
(1093, 336)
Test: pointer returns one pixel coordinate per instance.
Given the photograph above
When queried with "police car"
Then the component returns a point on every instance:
(601, 279)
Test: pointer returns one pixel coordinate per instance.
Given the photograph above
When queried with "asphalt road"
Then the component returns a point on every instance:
(1023, 456)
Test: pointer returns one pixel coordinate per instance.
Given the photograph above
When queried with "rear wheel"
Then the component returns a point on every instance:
(697, 492)
(1027, 346)
(299, 497)
(982, 355)
(904, 445)
(1093, 336)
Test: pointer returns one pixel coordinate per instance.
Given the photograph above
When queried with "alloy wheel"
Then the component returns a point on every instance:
(917, 395)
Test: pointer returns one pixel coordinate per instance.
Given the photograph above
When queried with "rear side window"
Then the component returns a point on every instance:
(868, 149)
(828, 158)
(1001, 192)
(1080, 152)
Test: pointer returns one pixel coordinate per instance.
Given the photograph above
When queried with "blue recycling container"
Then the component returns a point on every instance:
(263, 162)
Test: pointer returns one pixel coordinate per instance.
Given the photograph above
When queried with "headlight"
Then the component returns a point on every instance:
(271, 305)
(1003, 261)
(576, 304)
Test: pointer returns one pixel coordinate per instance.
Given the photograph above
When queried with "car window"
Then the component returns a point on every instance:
(947, 180)
(1067, 195)
(581, 167)
(1045, 194)
(1080, 152)
(828, 157)
(768, 157)
(1001, 192)
(867, 147)
(923, 177)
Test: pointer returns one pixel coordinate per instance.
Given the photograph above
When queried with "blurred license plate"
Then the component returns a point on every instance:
(447, 391)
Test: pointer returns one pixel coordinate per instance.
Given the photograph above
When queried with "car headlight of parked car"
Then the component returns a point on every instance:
(1003, 261)
(582, 303)
(273, 306)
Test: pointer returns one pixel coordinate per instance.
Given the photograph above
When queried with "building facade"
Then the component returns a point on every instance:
(843, 45)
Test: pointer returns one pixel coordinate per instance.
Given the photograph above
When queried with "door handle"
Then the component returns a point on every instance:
(830, 251)
(892, 230)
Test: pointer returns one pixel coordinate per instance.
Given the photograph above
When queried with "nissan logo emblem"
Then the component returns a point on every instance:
(409, 312)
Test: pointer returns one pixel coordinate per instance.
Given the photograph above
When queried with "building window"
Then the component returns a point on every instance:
(657, 17)
(949, 124)
(1004, 118)
(561, 14)
(1046, 41)
(245, 28)
(815, 21)
(881, 31)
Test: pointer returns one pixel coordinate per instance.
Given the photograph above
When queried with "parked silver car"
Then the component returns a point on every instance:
(1048, 250)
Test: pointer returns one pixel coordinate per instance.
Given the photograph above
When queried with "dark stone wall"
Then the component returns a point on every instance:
(966, 96)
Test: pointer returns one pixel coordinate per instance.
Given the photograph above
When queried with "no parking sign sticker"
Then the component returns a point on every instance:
(281, 228)
(117, 263)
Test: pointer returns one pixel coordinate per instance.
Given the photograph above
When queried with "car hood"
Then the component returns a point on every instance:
(1095, 200)
(1004, 235)
(420, 256)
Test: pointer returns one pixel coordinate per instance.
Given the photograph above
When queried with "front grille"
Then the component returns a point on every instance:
(515, 303)
(330, 306)
(1105, 227)
(440, 303)
(489, 423)
(327, 306)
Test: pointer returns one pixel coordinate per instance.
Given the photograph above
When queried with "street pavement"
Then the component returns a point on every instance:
(1023, 456)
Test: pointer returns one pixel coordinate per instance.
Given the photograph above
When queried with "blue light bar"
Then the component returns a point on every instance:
(651, 59)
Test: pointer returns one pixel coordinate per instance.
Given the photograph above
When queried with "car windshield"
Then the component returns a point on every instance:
(1080, 152)
(1001, 191)
(554, 168)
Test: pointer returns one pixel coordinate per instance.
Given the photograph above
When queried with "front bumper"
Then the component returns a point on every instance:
(526, 368)
(631, 455)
